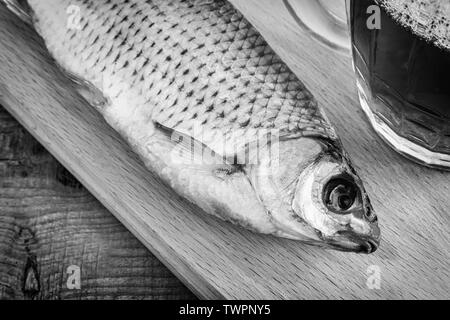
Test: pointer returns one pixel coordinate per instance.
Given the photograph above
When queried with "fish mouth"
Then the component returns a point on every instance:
(370, 246)
(350, 241)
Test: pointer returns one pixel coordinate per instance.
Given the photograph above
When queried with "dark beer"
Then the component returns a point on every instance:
(404, 81)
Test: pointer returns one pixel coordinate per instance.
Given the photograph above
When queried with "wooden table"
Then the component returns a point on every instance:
(49, 222)
(214, 259)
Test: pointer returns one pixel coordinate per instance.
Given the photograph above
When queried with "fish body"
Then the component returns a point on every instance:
(211, 108)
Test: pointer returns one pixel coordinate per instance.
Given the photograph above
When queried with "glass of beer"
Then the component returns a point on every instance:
(401, 58)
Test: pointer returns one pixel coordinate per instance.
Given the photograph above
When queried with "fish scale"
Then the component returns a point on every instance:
(170, 75)
(194, 66)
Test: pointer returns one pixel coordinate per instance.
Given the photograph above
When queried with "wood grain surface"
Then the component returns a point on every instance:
(50, 222)
(216, 259)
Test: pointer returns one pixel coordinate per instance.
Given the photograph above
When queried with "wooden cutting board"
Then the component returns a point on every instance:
(216, 259)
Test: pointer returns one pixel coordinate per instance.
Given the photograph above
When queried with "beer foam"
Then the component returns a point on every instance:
(428, 19)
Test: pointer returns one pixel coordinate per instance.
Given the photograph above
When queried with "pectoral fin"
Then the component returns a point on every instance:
(194, 154)
(205, 178)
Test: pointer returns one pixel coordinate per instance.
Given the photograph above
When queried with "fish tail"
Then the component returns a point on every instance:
(21, 9)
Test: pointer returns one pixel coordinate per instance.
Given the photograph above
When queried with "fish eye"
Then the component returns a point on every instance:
(340, 194)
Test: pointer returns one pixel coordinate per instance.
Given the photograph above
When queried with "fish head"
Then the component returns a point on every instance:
(330, 197)
(313, 194)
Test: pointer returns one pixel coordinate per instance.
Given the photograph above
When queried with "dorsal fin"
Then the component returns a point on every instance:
(21, 9)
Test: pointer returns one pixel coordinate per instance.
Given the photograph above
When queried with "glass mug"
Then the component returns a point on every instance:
(401, 57)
